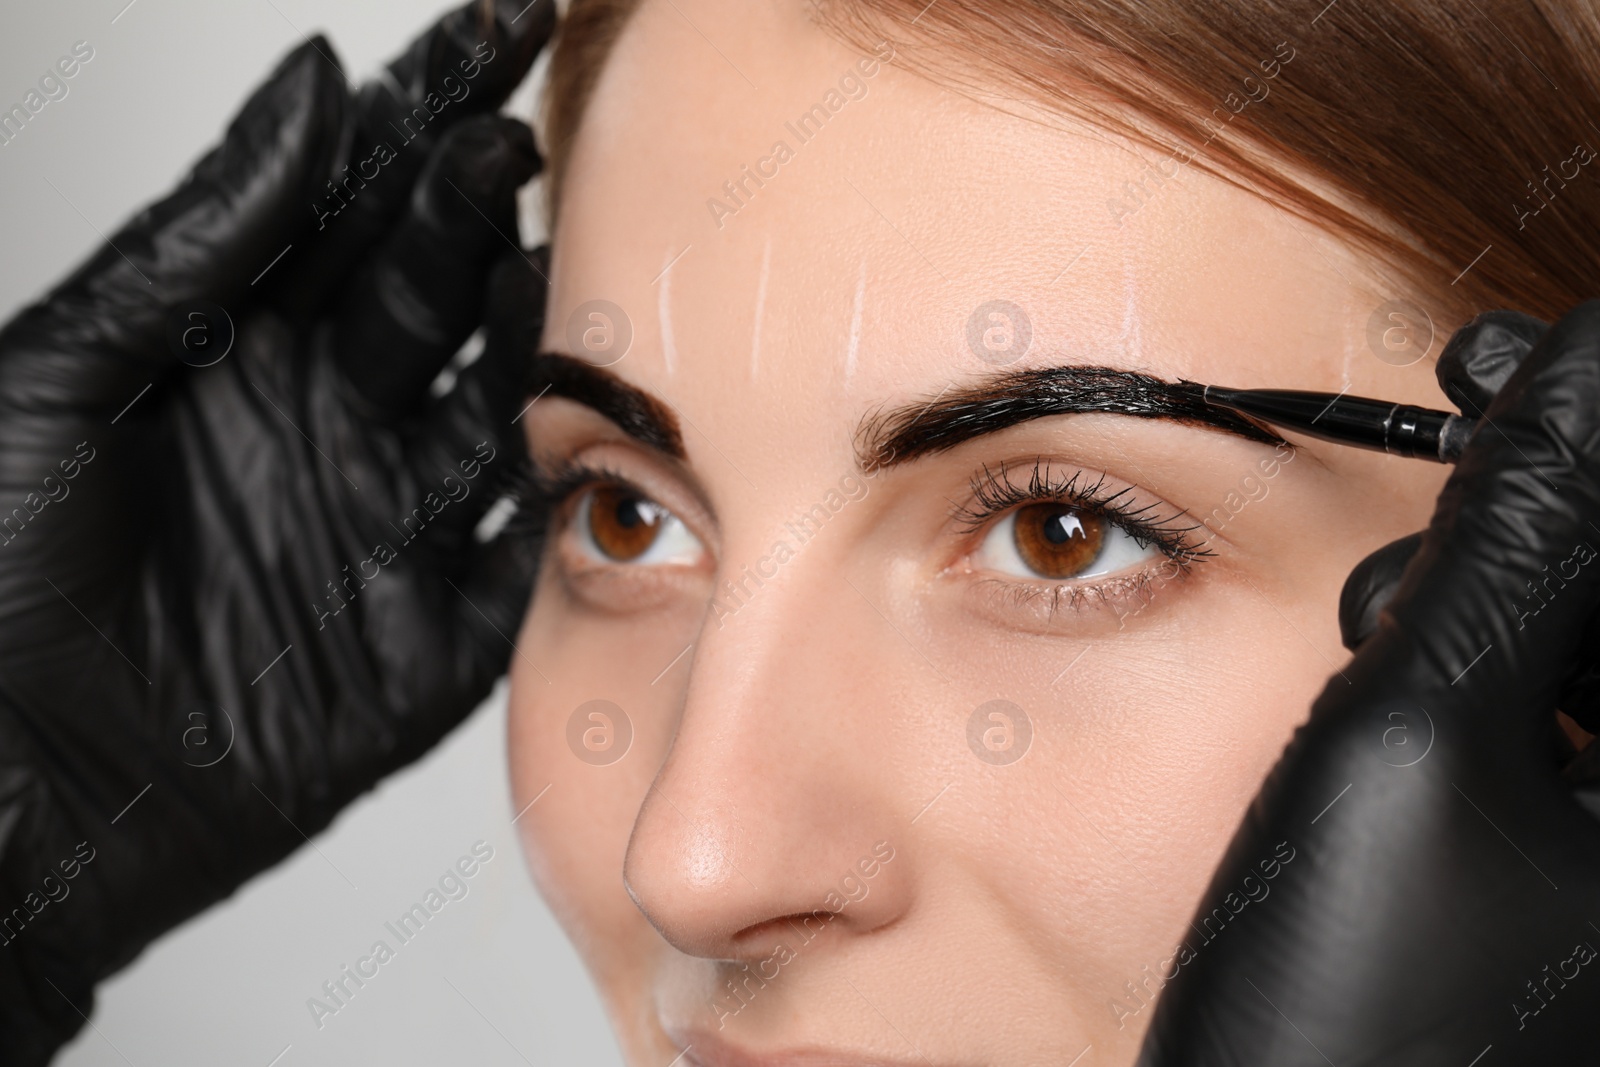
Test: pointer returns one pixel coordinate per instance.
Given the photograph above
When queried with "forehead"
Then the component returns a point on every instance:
(798, 232)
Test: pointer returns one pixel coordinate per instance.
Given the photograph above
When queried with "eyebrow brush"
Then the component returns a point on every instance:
(1380, 425)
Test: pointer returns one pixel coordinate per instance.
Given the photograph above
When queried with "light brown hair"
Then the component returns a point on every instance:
(1449, 139)
(585, 39)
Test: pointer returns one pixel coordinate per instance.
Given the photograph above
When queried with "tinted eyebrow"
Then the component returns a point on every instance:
(637, 413)
(907, 432)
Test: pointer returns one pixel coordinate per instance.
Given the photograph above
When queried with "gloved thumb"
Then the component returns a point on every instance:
(1481, 355)
(1368, 589)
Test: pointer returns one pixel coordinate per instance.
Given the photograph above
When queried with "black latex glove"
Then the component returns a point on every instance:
(1416, 884)
(1473, 367)
(233, 597)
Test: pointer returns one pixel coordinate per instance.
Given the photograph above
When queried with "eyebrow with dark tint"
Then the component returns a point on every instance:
(638, 414)
(908, 432)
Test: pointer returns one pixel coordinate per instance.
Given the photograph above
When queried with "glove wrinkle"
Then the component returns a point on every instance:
(1482, 355)
(1370, 587)
(1446, 865)
(199, 634)
(422, 294)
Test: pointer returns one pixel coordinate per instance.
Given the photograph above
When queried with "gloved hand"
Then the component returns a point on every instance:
(1417, 883)
(234, 596)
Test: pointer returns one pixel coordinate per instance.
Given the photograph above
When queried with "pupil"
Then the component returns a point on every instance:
(629, 514)
(1061, 528)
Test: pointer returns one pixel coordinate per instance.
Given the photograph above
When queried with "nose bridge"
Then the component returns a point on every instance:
(771, 804)
(815, 528)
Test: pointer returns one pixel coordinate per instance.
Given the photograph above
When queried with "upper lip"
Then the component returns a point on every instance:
(703, 1048)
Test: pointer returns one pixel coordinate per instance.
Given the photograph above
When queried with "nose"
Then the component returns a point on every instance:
(776, 810)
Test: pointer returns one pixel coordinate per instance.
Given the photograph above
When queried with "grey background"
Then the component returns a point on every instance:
(491, 979)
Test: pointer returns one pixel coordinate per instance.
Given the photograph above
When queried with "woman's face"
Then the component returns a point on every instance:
(931, 765)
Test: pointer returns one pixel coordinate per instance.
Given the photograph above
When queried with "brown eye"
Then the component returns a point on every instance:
(1057, 541)
(622, 524)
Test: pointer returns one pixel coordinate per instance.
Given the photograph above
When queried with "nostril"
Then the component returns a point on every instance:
(758, 939)
(797, 929)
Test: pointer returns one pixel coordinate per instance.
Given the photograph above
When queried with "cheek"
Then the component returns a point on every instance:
(1145, 756)
(590, 776)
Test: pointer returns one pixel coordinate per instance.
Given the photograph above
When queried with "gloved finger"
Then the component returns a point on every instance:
(489, 603)
(1481, 355)
(1522, 503)
(471, 441)
(1580, 690)
(1370, 585)
(105, 327)
(413, 304)
(1471, 370)
(468, 62)
(464, 66)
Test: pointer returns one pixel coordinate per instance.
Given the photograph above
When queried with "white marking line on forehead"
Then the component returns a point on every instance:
(1354, 319)
(855, 324)
(761, 306)
(669, 349)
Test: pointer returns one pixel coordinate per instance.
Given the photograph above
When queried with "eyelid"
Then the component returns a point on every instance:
(561, 430)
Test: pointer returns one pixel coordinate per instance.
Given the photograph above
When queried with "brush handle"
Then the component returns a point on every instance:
(1381, 425)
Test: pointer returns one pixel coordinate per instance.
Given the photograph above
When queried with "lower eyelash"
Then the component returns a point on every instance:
(1066, 596)
(1037, 604)
(994, 492)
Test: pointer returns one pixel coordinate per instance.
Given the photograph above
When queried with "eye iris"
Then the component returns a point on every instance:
(1058, 541)
(622, 524)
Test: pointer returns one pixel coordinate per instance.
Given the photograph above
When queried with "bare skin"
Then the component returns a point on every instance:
(791, 730)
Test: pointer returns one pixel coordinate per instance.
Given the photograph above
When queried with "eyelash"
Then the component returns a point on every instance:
(539, 498)
(995, 491)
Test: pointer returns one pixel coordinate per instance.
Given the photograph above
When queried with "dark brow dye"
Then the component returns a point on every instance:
(637, 413)
(911, 431)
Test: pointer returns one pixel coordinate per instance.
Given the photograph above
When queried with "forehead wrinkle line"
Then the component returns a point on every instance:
(641, 415)
(895, 435)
